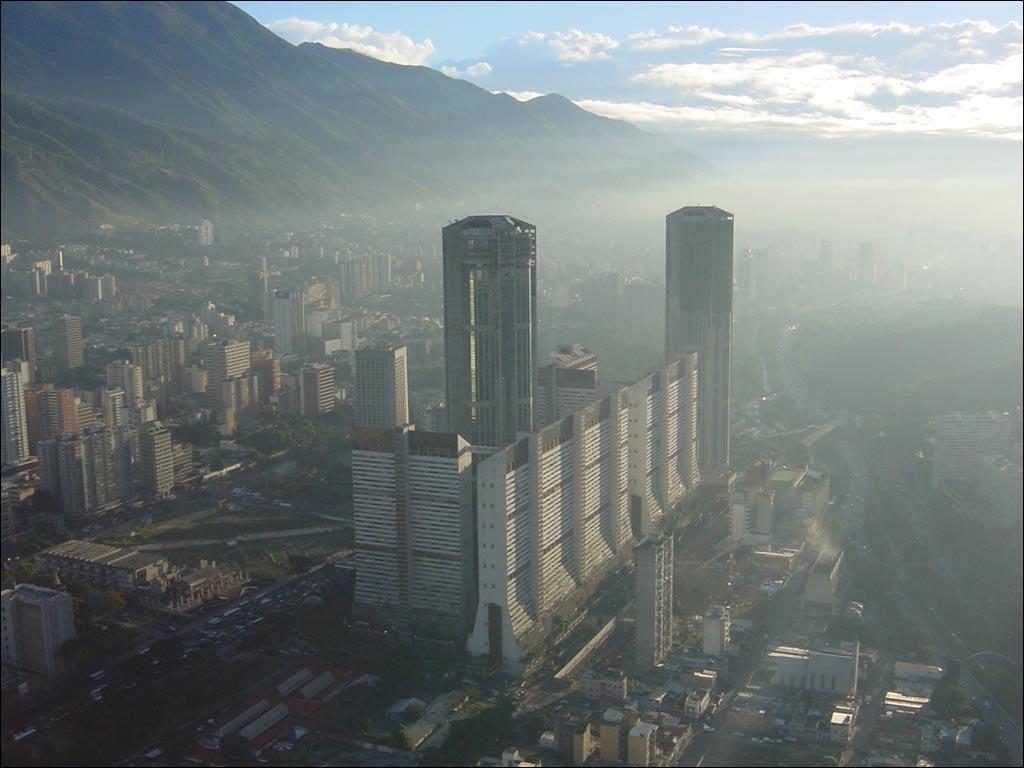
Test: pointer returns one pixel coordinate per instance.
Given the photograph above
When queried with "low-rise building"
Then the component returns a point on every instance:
(36, 623)
(697, 703)
(831, 671)
(641, 744)
(608, 684)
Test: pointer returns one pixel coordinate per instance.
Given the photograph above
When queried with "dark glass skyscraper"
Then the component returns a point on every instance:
(698, 314)
(490, 327)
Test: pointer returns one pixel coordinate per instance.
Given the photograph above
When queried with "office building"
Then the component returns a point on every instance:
(824, 591)
(68, 351)
(753, 520)
(413, 512)
(155, 459)
(19, 344)
(717, 627)
(316, 389)
(831, 671)
(962, 440)
(128, 378)
(653, 599)
(15, 425)
(268, 371)
(36, 622)
(382, 387)
(490, 327)
(698, 314)
(289, 322)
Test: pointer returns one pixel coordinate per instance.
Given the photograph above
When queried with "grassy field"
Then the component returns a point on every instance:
(267, 558)
(219, 521)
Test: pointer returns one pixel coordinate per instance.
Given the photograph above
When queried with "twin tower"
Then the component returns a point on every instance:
(490, 322)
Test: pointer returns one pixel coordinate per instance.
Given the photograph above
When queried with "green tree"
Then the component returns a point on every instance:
(400, 738)
(112, 601)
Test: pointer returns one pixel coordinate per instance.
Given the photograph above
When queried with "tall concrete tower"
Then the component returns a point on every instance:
(490, 327)
(698, 315)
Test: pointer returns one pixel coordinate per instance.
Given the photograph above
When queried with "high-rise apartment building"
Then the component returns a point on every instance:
(36, 622)
(382, 387)
(127, 377)
(962, 440)
(698, 314)
(664, 414)
(555, 508)
(289, 322)
(15, 425)
(122, 458)
(653, 599)
(268, 370)
(226, 360)
(51, 412)
(205, 235)
(490, 327)
(162, 362)
(62, 470)
(98, 468)
(316, 389)
(414, 539)
(115, 409)
(552, 514)
(560, 391)
(68, 350)
(155, 459)
(19, 344)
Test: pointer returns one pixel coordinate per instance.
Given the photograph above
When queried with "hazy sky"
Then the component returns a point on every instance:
(824, 69)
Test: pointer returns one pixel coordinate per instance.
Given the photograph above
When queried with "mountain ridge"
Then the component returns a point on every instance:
(142, 112)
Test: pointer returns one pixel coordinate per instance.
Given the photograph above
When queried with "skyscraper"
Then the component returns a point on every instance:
(155, 459)
(67, 342)
(15, 425)
(698, 314)
(19, 344)
(653, 599)
(490, 327)
(382, 387)
(289, 322)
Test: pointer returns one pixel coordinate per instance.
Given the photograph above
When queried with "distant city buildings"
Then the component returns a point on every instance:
(36, 622)
(567, 383)
(490, 327)
(962, 440)
(382, 387)
(698, 314)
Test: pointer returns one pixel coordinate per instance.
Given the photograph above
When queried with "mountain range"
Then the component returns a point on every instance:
(156, 112)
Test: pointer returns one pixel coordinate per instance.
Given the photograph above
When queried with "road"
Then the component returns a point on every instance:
(179, 543)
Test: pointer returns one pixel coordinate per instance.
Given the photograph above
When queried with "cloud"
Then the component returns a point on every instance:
(982, 77)
(521, 95)
(980, 116)
(675, 37)
(480, 69)
(475, 71)
(574, 46)
(395, 47)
